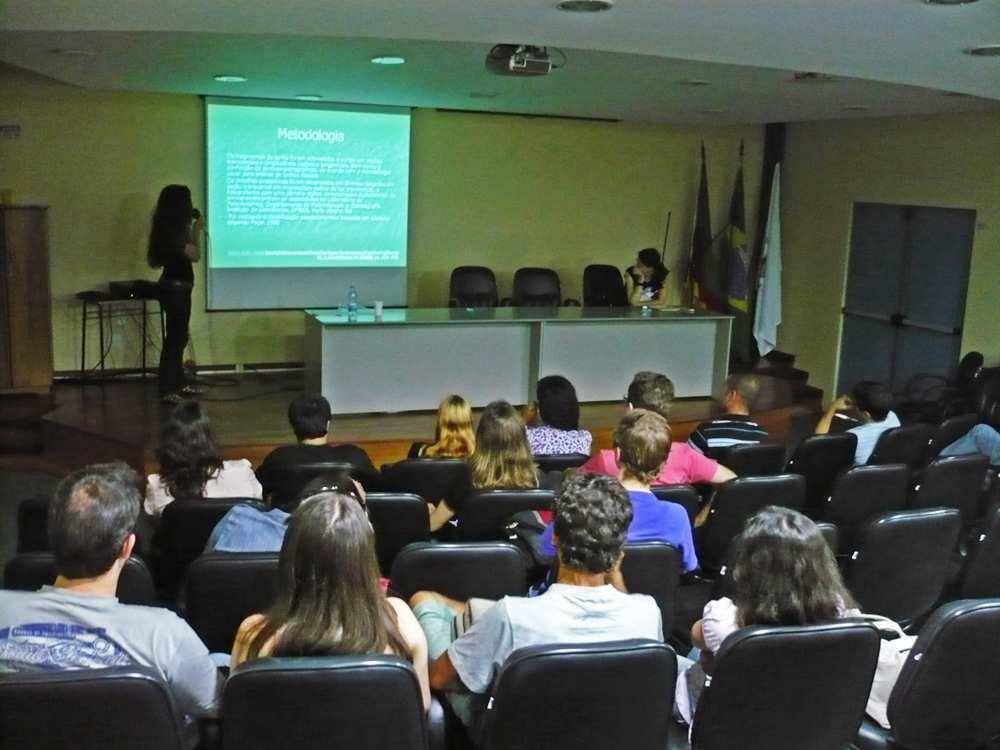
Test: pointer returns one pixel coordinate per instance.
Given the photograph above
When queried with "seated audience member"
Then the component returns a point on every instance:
(329, 601)
(642, 440)
(78, 623)
(645, 282)
(591, 518)
(191, 464)
(309, 415)
(782, 573)
(559, 413)
(253, 528)
(684, 465)
(980, 439)
(453, 435)
(735, 426)
(502, 461)
(874, 403)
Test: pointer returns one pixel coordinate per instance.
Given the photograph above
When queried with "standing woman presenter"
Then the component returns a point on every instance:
(174, 245)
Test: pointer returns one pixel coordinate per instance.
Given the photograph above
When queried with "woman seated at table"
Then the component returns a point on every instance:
(645, 282)
(453, 436)
(558, 414)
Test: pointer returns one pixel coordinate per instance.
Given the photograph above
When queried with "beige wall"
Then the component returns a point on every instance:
(948, 161)
(498, 191)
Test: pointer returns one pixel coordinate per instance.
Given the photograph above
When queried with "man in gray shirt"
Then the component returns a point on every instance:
(586, 604)
(78, 623)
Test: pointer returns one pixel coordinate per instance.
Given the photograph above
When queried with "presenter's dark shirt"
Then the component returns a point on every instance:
(269, 473)
(176, 265)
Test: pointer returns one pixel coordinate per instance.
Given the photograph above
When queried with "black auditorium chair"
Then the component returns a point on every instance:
(811, 698)
(224, 588)
(952, 482)
(820, 458)
(949, 431)
(981, 577)
(603, 286)
(561, 461)
(683, 494)
(597, 695)
(88, 709)
(32, 570)
(291, 479)
(431, 478)
(654, 569)
(903, 445)
(737, 500)
(473, 286)
(945, 697)
(185, 527)
(358, 702)
(831, 534)
(33, 524)
(754, 459)
(399, 519)
(899, 565)
(864, 492)
(460, 571)
(537, 287)
(485, 512)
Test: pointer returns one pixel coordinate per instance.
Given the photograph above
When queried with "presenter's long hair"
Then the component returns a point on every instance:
(329, 601)
(650, 257)
(502, 458)
(171, 224)
(453, 436)
(188, 453)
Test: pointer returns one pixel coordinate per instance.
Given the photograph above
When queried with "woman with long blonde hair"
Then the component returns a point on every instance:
(453, 435)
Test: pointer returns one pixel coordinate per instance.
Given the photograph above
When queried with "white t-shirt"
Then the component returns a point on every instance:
(868, 435)
(235, 479)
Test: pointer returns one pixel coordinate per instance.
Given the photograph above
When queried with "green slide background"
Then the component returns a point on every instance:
(252, 129)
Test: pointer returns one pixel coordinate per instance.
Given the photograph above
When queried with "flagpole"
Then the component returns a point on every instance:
(666, 234)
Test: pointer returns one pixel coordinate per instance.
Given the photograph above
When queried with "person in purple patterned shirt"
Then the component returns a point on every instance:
(559, 412)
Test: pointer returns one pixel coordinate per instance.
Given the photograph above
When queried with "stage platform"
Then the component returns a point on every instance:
(120, 419)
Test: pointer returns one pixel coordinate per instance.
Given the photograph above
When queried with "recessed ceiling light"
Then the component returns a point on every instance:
(483, 95)
(694, 82)
(74, 52)
(229, 78)
(584, 6)
(855, 107)
(388, 60)
(987, 50)
(308, 97)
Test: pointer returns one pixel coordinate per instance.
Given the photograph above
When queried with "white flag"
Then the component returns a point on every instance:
(767, 315)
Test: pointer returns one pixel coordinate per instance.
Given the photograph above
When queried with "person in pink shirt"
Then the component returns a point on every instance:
(684, 465)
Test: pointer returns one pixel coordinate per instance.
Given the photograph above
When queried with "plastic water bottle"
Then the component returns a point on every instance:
(352, 304)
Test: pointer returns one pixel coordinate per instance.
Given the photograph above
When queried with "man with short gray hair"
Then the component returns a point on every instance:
(734, 426)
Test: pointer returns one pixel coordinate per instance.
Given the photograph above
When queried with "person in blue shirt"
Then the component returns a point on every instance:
(642, 441)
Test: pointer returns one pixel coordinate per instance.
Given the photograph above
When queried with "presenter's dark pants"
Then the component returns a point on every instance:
(175, 301)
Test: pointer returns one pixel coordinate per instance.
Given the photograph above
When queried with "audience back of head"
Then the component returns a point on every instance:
(188, 454)
(746, 386)
(453, 436)
(591, 517)
(557, 403)
(309, 414)
(502, 457)
(874, 398)
(651, 391)
(642, 439)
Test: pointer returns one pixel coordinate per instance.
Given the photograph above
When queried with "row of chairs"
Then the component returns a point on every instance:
(561, 697)
(476, 286)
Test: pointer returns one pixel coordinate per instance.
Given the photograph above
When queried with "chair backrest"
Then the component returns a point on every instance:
(811, 697)
(603, 286)
(32, 570)
(224, 588)
(473, 286)
(566, 697)
(683, 494)
(399, 519)
(900, 564)
(945, 697)
(536, 287)
(735, 502)
(903, 445)
(754, 459)
(820, 458)
(357, 702)
(949, 431)
(485, 512)
(560, 461)
(654, 569)
(831, 534)
(431, 478)
(88, 709)
(981, 578)
(460, 571)
(952, 482)
(33, 524)
(864, 492)
(288, 480)
(185, 527)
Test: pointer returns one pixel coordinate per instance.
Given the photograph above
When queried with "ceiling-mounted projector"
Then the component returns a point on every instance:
(518, 60)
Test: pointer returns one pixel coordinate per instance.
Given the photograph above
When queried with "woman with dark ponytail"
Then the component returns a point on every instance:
(174, 245)
(645, 282)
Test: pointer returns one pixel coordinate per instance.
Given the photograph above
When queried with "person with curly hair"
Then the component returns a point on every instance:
(191, 464)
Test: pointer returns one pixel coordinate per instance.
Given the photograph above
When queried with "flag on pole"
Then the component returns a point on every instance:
(737, 250)
(703, 272)
(768, 308)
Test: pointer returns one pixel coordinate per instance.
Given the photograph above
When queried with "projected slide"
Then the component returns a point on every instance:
(306, 187)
